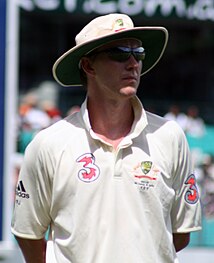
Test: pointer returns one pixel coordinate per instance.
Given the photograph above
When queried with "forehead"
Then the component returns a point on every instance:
(126, 42)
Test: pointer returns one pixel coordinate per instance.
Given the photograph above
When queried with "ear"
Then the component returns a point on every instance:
(87, 66)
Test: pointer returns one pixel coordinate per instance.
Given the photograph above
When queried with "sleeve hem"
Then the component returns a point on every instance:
(187, 230)
(26, 236)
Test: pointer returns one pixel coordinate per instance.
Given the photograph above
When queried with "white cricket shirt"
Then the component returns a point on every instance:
(107, 206)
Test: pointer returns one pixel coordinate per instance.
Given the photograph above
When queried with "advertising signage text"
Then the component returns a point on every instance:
(189, 9)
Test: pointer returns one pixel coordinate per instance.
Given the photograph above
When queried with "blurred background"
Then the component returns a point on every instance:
(34, 33)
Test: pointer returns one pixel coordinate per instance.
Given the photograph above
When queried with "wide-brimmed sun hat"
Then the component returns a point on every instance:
(103, 30)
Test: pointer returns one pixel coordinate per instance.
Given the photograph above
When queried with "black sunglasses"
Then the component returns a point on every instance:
(122, 54)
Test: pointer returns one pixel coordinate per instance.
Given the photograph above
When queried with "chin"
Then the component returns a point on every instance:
(129, 91)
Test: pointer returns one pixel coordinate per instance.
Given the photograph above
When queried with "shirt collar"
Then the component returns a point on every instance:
(140, 119)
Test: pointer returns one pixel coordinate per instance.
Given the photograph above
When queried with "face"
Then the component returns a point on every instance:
(118, 77)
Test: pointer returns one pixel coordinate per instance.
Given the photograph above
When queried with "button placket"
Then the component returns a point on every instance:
(118, 164)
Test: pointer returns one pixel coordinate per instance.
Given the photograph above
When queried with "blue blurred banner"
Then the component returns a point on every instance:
(203, 149)
(2, 86)
(204, 143)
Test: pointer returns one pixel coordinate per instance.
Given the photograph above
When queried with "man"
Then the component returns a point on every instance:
(114, 183)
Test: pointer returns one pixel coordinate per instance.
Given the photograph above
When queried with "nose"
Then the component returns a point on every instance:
(133, 63)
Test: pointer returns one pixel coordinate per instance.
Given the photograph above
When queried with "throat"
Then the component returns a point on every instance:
(112, 122)
(113, 135)
(114, 142)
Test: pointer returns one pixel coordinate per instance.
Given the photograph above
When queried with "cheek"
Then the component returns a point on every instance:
(140, 66)
(110, 71)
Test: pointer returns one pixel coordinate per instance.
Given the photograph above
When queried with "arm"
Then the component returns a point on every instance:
(181, 240)
(34, 251)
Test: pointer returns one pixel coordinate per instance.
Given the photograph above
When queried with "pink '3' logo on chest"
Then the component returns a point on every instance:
(90, 171)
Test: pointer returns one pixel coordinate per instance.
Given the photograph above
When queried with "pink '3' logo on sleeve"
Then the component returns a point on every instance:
(191, 195)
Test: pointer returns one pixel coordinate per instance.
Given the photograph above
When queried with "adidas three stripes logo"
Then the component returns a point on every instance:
(20, 190)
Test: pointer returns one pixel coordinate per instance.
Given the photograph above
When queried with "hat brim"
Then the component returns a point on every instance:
(154, 40)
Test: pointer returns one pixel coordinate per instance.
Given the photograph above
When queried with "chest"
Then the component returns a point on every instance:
(92, 176)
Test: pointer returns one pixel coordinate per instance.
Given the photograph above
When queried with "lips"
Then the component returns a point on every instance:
(130, 77)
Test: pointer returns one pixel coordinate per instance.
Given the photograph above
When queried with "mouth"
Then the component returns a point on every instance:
(130, 79)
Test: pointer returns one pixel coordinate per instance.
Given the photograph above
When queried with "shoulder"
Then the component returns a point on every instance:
(169, 131)
(61, 126)
(56, 136)
(157, 122)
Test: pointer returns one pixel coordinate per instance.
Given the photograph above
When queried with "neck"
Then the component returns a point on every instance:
(111, 120)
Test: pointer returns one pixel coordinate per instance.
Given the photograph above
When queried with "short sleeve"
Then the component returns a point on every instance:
(186, 209)
(33, 193)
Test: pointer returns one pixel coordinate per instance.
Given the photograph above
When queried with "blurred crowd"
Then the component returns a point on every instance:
(191, 122)
(34, 115)
(205, 178)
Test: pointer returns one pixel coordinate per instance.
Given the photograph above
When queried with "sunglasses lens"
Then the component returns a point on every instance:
(122, 54)
(139, 56)
(118, 55)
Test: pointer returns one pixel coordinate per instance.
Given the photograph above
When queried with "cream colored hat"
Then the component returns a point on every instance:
(102, 30)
